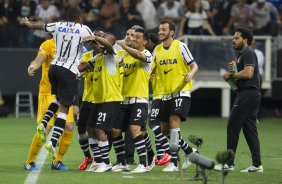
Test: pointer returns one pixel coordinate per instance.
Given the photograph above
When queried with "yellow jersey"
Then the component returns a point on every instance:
(47, 50)
(88, 94)
(106, 78)
(171, 65)
(119, 57)
(156, 84)
(136, 75)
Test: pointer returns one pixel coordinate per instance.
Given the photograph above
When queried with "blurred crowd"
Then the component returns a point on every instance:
(194, 17)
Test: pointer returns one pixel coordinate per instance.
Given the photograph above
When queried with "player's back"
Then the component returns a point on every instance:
(68, 39)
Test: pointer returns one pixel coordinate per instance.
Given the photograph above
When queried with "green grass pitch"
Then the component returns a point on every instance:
(16, 136)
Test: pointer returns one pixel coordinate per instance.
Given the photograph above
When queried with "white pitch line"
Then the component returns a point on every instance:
(33, 175)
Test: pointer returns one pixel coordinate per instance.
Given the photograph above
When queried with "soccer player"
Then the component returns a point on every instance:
(107, 94)
(161, 142)
(86, 108)
(246, 105)
(175, 67)
(63, 70)
(44, 57)
(137, 68)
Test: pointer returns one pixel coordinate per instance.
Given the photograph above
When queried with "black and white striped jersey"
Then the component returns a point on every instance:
(68, 39)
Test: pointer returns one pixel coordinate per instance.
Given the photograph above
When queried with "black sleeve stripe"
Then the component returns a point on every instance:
(45, 26)
(49, 25)
(186, 49)
(191, 62)
(250, 65)
(90, 33)
(184, 57)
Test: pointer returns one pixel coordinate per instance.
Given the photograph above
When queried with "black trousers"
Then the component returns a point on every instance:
(243, 116)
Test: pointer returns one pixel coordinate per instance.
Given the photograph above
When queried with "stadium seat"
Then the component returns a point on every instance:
(24, 104)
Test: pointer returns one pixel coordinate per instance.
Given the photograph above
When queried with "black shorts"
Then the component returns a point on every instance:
(177, 106)
(106, 115)
(155, 109)
(92, 118)
(64, 84)
(84, 114)
(132, 114)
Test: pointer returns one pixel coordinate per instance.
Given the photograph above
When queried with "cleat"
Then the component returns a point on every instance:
(157, 161)
(166, 159)
(49, 147)
(253, 169)
(140, 169)
(121, 168)
(170, 168)
(31, 167)
(103, 167)
(187, 162)
(59, 166)
(85, 162)
(93, 166)
(153, 164)
(220, 167)
(41, 132)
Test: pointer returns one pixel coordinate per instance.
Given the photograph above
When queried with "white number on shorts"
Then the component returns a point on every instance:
(178, 102)
(155, 112)
(139, 111)
(102, 116)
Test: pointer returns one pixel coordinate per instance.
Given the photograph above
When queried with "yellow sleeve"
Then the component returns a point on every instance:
(87, 56)
(44, 49)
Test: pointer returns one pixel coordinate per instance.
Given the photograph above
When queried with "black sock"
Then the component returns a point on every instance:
(104, 148)
(59, 127)
(139, 143)
(83, 143)
(96, 150)
(52, 109)
(118, 143)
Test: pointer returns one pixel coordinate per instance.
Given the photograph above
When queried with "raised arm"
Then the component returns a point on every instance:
(109, 48)
(31, 24)
(133, 52)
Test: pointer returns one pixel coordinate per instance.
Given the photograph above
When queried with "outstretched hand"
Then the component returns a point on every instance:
(24, 21)
(121, 43)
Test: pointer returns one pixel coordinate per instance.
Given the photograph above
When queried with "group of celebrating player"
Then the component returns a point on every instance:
(116, 94)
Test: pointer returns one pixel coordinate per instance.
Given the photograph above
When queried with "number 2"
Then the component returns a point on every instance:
(139, 111)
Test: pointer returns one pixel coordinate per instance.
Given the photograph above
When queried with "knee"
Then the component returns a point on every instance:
(116, 132)
(165, 129)
(69, 127)
(135, 130)
(100, 134)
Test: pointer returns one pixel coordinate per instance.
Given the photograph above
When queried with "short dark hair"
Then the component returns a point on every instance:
(136, 27)
(170, 23)
(154, 38)
(145, 34)
(73, 13)
(246, 34)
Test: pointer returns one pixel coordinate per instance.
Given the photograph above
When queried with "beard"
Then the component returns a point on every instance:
(164, 38)
(128, 43)
(239, 46)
